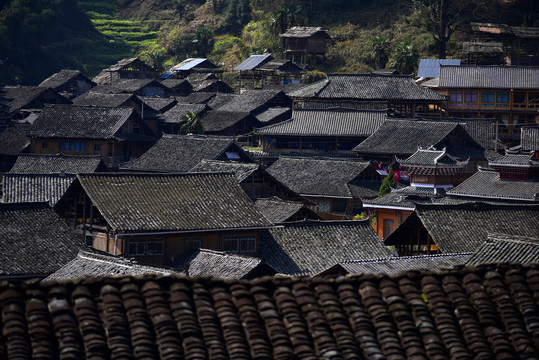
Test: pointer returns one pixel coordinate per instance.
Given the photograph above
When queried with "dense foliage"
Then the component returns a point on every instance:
(40, 37)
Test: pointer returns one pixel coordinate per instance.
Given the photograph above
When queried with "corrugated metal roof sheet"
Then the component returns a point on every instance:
(252, 62)
(429, 68)
(187, 64)
(489, 77)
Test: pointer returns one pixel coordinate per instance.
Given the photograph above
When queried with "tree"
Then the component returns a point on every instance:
(388, 184)
(193, 123)
(155, 58)
(405, 57)
(442, 17)
(380, 51)
(204, 41)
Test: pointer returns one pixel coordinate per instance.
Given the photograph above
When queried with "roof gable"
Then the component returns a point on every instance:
(180, 153)
(80, 122)
(171, 202)
(309, 247)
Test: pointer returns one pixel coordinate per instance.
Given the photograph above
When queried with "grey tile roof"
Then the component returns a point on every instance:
(171, 202)
(274, 114)
(158, 104)
(213, 85)
(92, 263)
(328, 122)
(486, 184)
(483, 312)
(61, 78)
(516, 159)
(396, 137)
(429, 68)
(80, 122)
(501, 248)
(278, 210)
(221, 99)
(217, 121)
(529, 138)
(370, 87)
(174, 115)
(134, 85)
(14, 139)
(211, 263)
(196, 98)
(489, 77)
(93, 98)
(309, 91)
(178, 85)
(309, 247)
(34, 240)
(241, 170)
(464, 227)
(180, 153)
(404, 198)
(252, 62)
(46, 164)
(397, 265)
(325, 177)
(430, 157)
(255, 100)
(18, 188)
(23, 97)
(304, 32)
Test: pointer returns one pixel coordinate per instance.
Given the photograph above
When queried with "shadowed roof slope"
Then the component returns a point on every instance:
(328, 122)
(14, 139)
(464, 227)
(324, 177)
(171, 202)
(34, 240)
(501, 248)
(80, 122)
(57, 163)
(180, 153)
(309, 247)
(481, 312)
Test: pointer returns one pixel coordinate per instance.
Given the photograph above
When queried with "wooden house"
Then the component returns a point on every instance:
(335, 186)
(192, 66)
(509, 95)
(459, 228)
(69, 83)
(403, 96)
(35, 241)
(116, 134)
(512, 45)
(157, 218)
(252, 177)
(259, 71)
(302, 43)
(127, 68)
(22, 101)
(181, 153)
(309, 247)
(320, 131)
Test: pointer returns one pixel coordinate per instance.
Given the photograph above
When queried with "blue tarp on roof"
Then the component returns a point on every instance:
(252, 62)
(429, 68)
(166, 75)
(187, 64)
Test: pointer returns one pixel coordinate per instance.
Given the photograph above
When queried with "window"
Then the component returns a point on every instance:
(502, 98)
(156, 247)
(339, 205)
(248, 244)
(192, 244)
(230, 244)
(520, 99)
(487, 99)
(470, 98)
(97, 147)
(388, 224)
(455, 98)
(136, 248)
(44, 145)
(323, 205)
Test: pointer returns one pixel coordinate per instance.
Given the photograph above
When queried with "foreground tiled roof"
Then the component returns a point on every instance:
(278, 211)
(324, 177)
(396, 265)
(309, 247)
(489, 77)
(371, 87)
(34, 240)
(501, 248)
(35, 187)
(204, 262)
(180, 153)
(328, 122)
(395, 137)
(171, 202)
(91, 263)
(80, 122)
(464, 227)
(487, 184)
(57, 163)
(529, 138)
(483, 312)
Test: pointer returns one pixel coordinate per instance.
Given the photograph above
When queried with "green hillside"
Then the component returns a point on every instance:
(40, 37)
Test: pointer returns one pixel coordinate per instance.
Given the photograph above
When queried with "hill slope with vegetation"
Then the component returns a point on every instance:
(40, 37)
